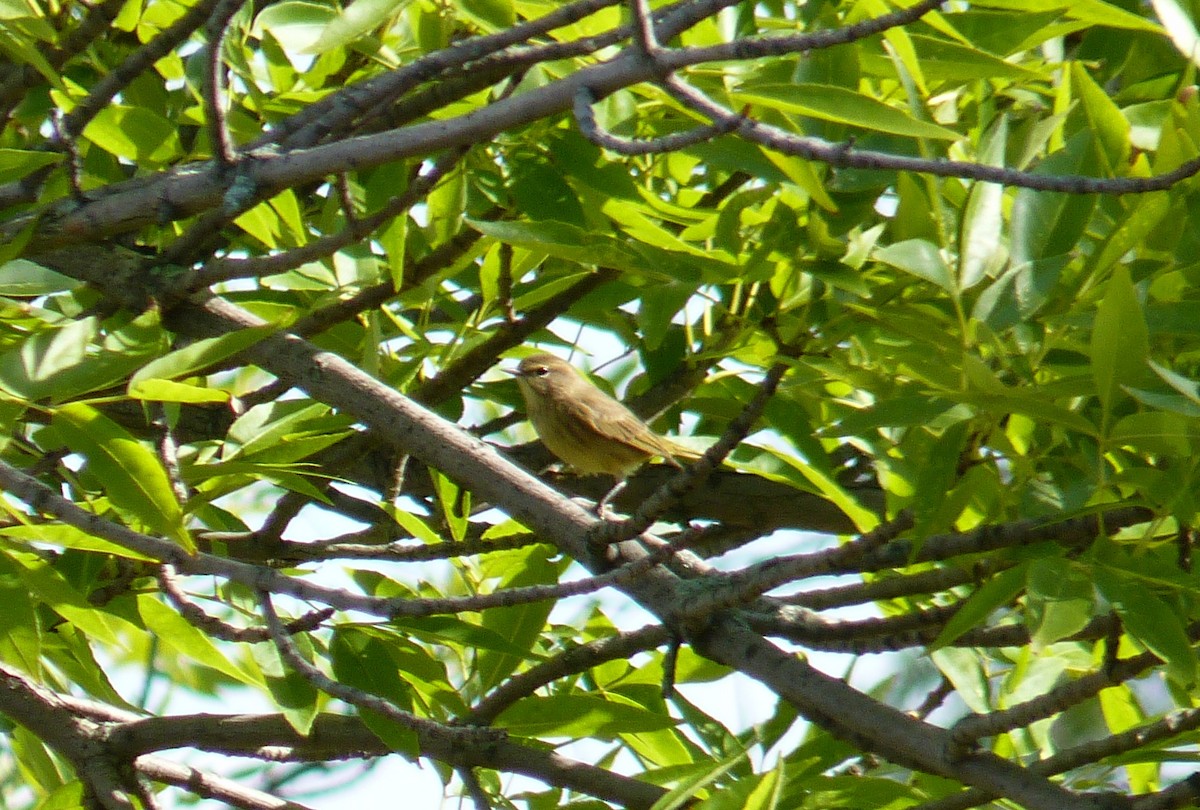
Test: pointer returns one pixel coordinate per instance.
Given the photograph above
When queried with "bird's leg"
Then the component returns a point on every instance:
(602, 504)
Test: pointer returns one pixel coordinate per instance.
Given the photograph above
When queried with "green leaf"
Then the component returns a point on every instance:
(943, 60)
(832, 103)
(768, 793)
(1166, 402)
(261, 431)
(20, 633)
(1142, 217)
(446, 205)
(361, 660)
(23, 278)
(61, 362)
(296, 24)
(589, 247)
(786, 467)
(1146, 122)
(292, 692)
(1189, 388)
(214, 480)
(133, 478)
(896, 411)
(1180, 26)
(1166, 434)
(353, 22)
(1152, 622)
(1004, 34)
(664, 748)
(521, 624)
(17, 163)
(414, 525)
(578, 716)
(490, 15)
(1122, 710)
(856, 791)
(433, 27)
(939, 471)
(706, 774)
(1046, 224)
(50, 588)
(902, 50)
(72, 652)
(66, 797)
(979, 242)
(28, 53)
(456, 505)
(185, 638)
(636, 220)
(963, 668)
(134, 133)
(171, 391)
(200, 355)
(1099, 13)
(60, 534)
(37, 766)
(1120, 341)
(1061, 600)
(805, 174)
(34, 369)
(921, 258)
(1105, 121)
(1030, 403)
(656, 313)
(262, 222)
(997, 592)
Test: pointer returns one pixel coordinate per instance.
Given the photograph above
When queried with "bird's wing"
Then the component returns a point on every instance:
(625, 427)
(619, 425)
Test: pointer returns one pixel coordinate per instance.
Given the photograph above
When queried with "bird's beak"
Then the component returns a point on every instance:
(516, 372)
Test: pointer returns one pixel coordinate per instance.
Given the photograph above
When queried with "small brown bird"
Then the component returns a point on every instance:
(585, 427)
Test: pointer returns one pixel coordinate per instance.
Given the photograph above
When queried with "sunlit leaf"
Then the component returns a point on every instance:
(832, 103)
(297, 24)
(921, 258)
(135, 134)
(134, 479)
(998, 591)
(351, 23)
(578, 716)
(188, 640)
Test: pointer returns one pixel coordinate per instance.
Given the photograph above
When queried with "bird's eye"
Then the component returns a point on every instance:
(541, 371)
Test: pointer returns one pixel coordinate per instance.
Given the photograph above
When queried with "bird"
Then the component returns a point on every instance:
(585, 427)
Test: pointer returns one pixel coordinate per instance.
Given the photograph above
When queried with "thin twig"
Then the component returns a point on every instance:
(356, 229)
(214, 82)
(356, 697)
(845, 155)
(216, 628)
(569, 662)
(626, 146)
(474, 788)
(310, 126)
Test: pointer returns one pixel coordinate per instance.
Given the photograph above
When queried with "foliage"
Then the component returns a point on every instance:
(931, 269)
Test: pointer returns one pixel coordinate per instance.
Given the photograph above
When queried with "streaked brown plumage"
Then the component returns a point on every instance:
(585, 427)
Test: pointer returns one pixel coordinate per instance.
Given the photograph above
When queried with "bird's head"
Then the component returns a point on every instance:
(545, 374)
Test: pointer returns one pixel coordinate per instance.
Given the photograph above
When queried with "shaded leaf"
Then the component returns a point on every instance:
(1120, 340)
